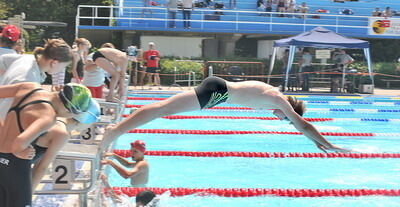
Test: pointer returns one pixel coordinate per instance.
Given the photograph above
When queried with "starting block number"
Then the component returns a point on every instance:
(88, 135)
(63, 170)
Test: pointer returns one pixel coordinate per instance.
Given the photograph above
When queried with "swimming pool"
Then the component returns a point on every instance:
(371, 124)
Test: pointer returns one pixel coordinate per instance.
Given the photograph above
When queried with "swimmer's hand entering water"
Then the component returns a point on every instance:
(333, 148)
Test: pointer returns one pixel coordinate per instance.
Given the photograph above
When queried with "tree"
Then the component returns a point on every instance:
(49, 10)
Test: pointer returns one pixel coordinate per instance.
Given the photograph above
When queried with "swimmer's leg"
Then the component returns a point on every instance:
(115, 76)
(183, 102)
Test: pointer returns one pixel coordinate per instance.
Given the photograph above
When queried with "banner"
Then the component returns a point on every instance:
(384, 26)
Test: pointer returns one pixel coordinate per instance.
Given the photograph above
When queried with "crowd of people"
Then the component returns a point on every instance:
(282, 6)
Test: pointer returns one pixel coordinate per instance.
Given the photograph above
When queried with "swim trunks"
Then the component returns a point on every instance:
(97, 55)
(211, 91)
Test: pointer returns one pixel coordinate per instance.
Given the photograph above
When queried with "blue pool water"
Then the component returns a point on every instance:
(308, 173)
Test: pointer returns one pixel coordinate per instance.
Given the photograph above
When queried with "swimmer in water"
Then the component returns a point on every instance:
(213, 91)
(139, 174)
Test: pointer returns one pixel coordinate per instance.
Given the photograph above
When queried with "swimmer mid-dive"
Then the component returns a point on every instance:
(213, 91)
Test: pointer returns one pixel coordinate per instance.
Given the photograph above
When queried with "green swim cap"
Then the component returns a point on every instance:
(75, 97)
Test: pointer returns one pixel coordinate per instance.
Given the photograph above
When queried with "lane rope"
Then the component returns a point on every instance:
(128, 153)
(309, 109)
(251, 192)
(310, 102)
(174, 117)
(222, 132)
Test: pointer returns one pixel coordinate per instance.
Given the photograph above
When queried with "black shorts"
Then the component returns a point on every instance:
(15, 181)
(211, 91)
(153, 70)
(97, 55)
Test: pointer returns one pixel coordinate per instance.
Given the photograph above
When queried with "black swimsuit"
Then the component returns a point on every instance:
(211, 91)
(96, 55)
(15, 173)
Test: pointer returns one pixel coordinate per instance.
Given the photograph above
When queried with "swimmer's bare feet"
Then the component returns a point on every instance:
(113, 100)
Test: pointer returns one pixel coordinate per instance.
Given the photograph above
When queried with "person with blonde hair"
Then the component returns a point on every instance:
(80, 51)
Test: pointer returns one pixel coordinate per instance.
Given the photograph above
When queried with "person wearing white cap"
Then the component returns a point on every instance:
(152, 58)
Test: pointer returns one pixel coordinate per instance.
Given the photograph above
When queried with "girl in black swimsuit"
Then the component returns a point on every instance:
(34, 111)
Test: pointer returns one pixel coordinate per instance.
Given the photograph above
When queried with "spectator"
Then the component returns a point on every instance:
(10, 35)
(291, 7)
(303, 8)
(172, 8)
(268, 6)
(377, 12)
(261, 6)
(388, 12)
(232, 4)
(146, 3)
(19, 47)
(342, 60)
(139, 174)
(141, 68)
(305, 66)
(187, 7)
(347, 12)
(281, 7)
(144, 198)
(152, 58)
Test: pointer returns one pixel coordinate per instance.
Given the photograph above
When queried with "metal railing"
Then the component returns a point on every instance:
(233, 20)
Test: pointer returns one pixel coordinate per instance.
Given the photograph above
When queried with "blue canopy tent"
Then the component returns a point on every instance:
(319, 37)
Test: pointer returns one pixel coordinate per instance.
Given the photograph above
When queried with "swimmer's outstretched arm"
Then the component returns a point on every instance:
(305, 127)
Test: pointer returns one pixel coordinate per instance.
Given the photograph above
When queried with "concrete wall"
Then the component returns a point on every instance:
(264, 48)
(175, 46)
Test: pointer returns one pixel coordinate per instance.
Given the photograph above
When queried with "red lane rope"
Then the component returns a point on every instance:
(209, 132)
(235, 117)
(215, 107)
(145, 98)
(128, 153)
(250, 192)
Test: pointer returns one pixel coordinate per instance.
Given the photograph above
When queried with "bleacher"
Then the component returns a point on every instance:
(246, 19)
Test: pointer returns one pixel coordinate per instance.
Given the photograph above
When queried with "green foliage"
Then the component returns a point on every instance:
(3, 10)
(384, 67)
(182, 67)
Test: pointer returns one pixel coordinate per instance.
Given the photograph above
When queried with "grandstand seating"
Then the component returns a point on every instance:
(251, 22)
